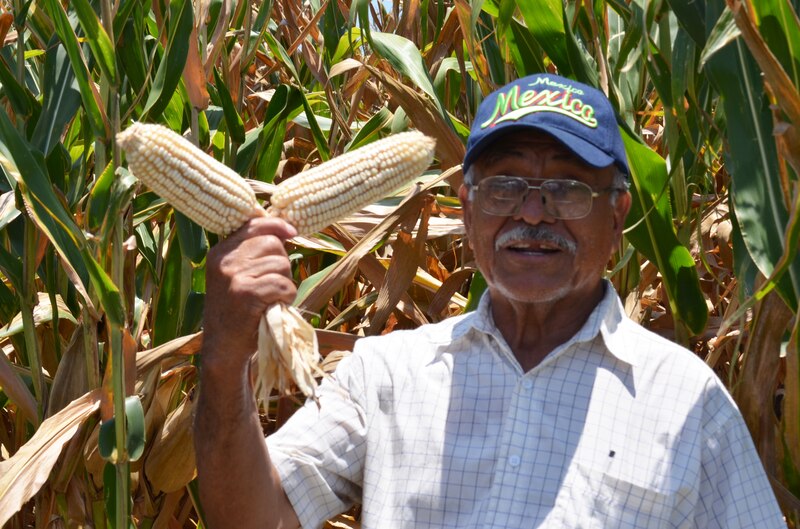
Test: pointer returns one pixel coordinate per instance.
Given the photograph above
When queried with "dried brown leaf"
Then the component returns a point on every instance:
(343, 521)
(71, 457)
(786, 93)
(6, 19)
(217, 42)
(331, 361)
(425, 116)
(791, 400)
(25, 472)
(164, 399)
(759, 374)
(362, 222)
(407, 255)
(343, 66)
(70, 381)
(93, 461)
(194, 76)
(183, 346)
(448, 35)
(463, 10)
(444, 294)
(170, 465)
(17, 391)
(346, 267)
(409, 19)
(330, 341)
(167, 511)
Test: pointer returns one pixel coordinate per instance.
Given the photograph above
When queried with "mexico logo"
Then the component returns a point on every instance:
(562, 99)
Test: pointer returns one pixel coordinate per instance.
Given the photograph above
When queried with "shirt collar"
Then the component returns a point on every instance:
(607, 319)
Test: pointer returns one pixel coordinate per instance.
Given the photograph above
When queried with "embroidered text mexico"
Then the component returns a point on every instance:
(513, 105)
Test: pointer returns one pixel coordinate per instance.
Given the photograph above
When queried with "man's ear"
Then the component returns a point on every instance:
(621, 209)
(466, 206)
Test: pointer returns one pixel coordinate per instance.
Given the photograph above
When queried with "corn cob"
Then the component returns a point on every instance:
(347, 183)
(205, 190)
(216, 198)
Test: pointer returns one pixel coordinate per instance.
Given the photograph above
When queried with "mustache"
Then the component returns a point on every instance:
(536, 233)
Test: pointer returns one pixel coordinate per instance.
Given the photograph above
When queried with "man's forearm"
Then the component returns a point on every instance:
(239, 487)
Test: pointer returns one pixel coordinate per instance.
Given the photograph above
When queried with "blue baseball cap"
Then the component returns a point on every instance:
(577, 115)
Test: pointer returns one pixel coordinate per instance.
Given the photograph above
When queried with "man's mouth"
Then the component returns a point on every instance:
(534, 240)
(529, 246)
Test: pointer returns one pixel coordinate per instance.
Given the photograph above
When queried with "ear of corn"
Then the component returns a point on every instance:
(218, 199)
(323, 194)
(205, 190)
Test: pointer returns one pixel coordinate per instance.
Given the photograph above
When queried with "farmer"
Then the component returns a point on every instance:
(546, 407)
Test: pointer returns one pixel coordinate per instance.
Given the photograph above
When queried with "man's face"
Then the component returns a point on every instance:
(566, 259)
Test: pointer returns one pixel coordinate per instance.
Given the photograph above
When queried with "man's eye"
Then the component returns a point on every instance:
(504, 190)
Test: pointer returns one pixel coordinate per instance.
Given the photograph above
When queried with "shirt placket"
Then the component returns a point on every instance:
(520, 457)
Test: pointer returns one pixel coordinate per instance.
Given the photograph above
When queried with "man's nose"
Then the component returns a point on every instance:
(533, 210)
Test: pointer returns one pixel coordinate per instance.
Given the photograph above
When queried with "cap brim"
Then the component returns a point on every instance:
(584, 150)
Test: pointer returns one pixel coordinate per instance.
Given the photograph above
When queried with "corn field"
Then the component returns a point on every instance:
(102, 287)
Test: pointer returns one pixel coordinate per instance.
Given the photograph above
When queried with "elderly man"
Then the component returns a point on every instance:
(546, 407)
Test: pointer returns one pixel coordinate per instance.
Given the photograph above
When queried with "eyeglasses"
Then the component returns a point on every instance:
(563, 199)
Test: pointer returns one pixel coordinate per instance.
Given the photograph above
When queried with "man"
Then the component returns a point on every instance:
(546, 407)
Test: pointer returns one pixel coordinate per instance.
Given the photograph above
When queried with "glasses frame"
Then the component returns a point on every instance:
(594, 193)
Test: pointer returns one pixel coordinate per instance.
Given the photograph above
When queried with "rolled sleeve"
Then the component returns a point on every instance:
(319, 453)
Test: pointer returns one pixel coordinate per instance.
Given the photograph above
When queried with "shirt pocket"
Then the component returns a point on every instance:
(596, 499)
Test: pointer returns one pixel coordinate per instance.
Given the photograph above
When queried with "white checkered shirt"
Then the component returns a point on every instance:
(439, 428)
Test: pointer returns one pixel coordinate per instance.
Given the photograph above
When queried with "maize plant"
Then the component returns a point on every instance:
(102, 285)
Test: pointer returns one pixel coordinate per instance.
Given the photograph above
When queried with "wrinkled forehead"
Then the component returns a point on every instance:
(522, 145)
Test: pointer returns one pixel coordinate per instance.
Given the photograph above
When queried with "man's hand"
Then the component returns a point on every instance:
(245, 274)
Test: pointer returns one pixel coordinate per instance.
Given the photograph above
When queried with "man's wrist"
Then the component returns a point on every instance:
(223, 372)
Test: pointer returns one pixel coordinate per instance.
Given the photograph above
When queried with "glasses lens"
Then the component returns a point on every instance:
(567, 199)
(502, 195)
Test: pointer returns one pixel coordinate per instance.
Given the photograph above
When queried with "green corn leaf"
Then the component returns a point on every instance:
(780, 28)
(131, 55)
(373, 126)
(653, 234)
(280, 54)
(505, 15)
(723, 33)
(404, 57)
(11, 266)
(123, 15)
(9, 306)
(61, 100)
(477, 287)
(146, 244)
(581, 64)
(545, 22)
(170, 69)
(173, 289)
(232, 118)
(135, 430)
(691, 17)
(98, 40)
(18, 159)
(316, 132)
(525, 52)
(89, 95)
(193, 239)
(756, 194)
(19, 98)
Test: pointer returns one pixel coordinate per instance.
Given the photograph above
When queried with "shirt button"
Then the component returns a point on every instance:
(513, 461)
(527, 384)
